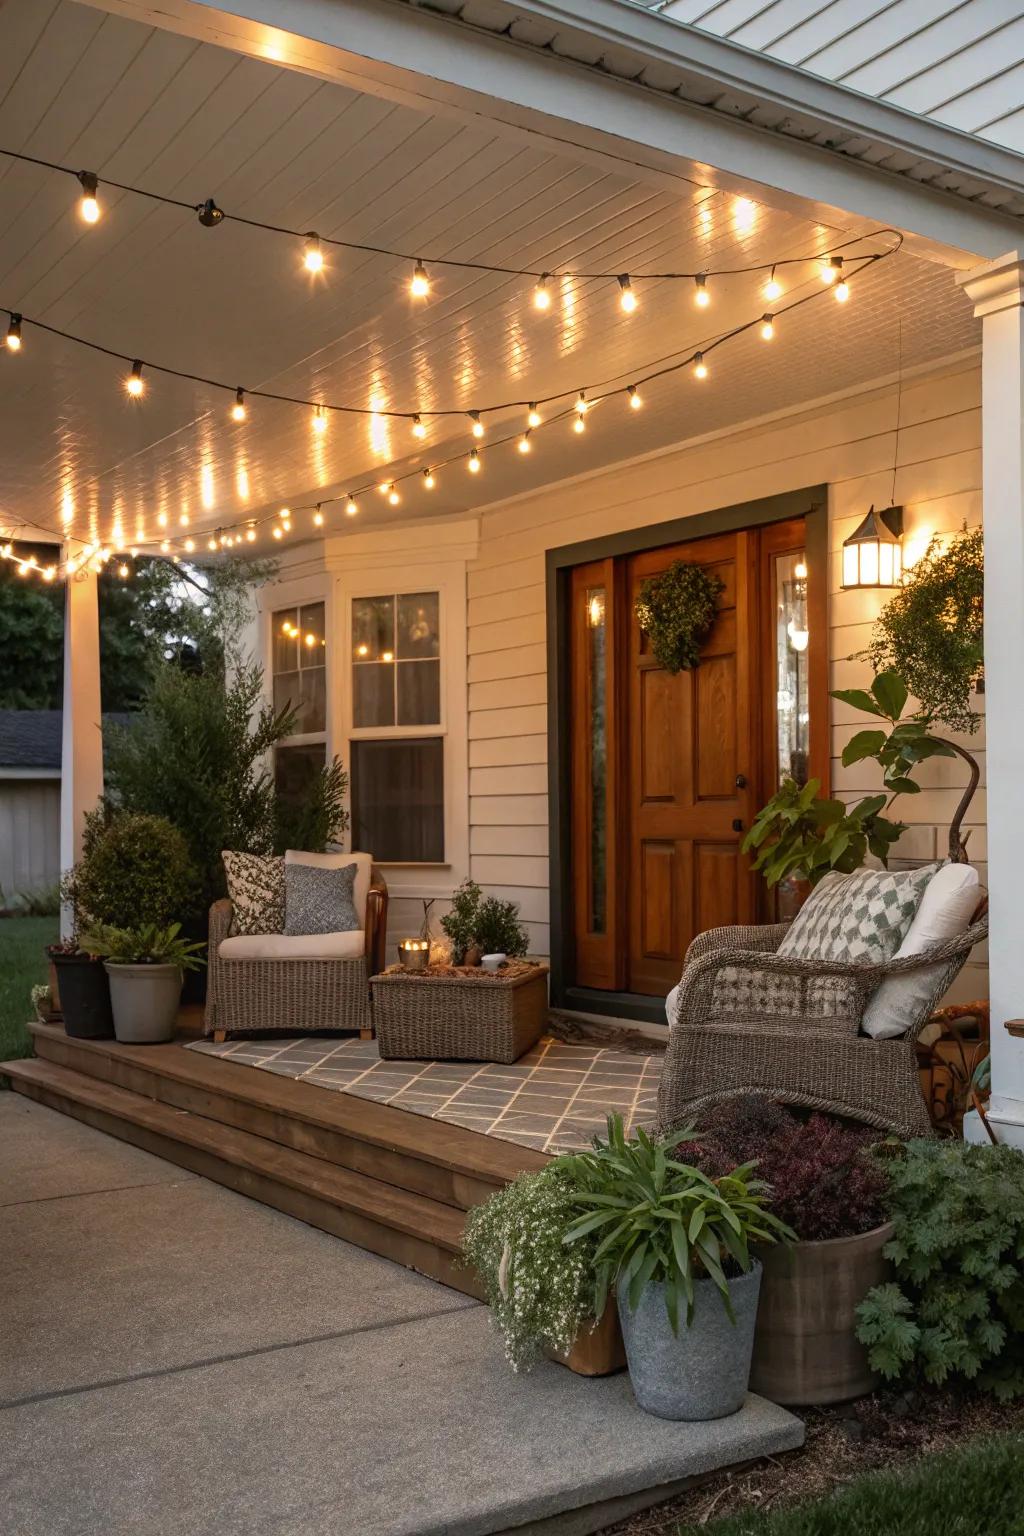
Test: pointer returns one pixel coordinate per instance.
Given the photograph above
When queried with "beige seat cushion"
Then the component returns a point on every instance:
(364, 869)
(302, 946)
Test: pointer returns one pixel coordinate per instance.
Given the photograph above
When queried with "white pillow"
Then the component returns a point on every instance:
(946, 909)
(362, 861)
(672, 1003)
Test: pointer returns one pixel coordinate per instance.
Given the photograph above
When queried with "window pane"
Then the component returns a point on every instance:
(398, 800)
(295, 768)
(792, 635)
(417, 625)
(419, 693)
(286, 646)
(306, 693)
(311, 622)
(373, 693)
(373, 628)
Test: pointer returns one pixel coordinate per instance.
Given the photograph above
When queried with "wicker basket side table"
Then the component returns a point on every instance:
(420, 1017)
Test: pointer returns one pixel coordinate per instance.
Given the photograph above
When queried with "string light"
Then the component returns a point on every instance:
(474, 461)
(419, 287)
(393, 497)
(524, 445)
(580, 424)
(190, 545)
(700, 367)
(89, 205)
(49, 572)
(351, 507)
(773, 288)
(318, 517)
(542, 292)
(701, 297)
(238, 409)
(319, 420)
(635, 399)
(250, 537)
(767, 327)
(627, 298)
(284, 514)
(418, 429)
(831, 268)
(478, 426)
(134, 383)
(122, 570)
(582, 405)
(211, 544)
(428, 479)
(14, 334)
(313, 256)
(534, 418)
(842, 291)
(276, 532)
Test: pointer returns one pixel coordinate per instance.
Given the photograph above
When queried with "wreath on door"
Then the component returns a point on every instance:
(676, 610)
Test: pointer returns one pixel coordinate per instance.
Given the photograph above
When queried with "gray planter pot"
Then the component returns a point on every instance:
(701, 1373)
(145, 1000)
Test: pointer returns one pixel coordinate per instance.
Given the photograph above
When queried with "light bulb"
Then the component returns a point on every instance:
(773, 288)
(14, 334)
(524, 445)
(351, 508)
(627, 298)
(134, 382)
(582, 406)
(800, 570)
(319, 420)
(534, 417)
(635, 400)
(275, 531)
(428, 479)
(122, 569)
(474, 462)
(701, 296)
(161, 519)
(767, 327)
(212, 543)
(842, 291)
(89, 207)
(286, 525)
(250, 537)
(190, 545)
(318, 518)
(580, 424)
(393, 497)
(478, 426)
(831, 268)
(542, 292)
(419, 287)
(313, 256)
(700, 367)
(418, 429)
(164, 547)
(285, 513)
(50, 571)
(311, 641)
(238, 409)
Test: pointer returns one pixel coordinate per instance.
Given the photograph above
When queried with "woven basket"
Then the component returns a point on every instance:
(446, 1018)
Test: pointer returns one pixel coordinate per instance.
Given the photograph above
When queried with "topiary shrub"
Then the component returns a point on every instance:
(823, 1179)
(956, 1308)
(134, 869)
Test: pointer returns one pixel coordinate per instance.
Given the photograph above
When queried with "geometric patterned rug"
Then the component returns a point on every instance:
(555, 1098)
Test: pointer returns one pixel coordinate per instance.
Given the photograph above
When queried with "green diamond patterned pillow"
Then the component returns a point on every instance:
(859, 917)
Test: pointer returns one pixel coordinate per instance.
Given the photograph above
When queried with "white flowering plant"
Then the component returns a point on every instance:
(540, 1289)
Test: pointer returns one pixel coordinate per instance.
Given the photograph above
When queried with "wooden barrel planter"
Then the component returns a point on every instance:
(805, 1348)
(597, 1351)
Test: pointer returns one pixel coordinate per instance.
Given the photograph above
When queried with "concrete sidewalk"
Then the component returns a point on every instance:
(176, 1359)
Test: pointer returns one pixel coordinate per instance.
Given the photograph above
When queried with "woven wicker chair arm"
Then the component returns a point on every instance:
(220, 922)
(952, 949)
(763, 937)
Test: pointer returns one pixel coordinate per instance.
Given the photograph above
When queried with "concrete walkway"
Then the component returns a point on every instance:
(175, 1358)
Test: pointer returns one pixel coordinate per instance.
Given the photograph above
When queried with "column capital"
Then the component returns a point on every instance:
(995, 285)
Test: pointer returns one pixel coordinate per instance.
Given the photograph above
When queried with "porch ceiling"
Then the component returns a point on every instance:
(155, 109)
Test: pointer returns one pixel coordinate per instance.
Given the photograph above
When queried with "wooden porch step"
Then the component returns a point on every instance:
(445, 1163)
(411, 1229)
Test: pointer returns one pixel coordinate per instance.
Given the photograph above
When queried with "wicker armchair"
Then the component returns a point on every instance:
(298, 997)
(751, 1021)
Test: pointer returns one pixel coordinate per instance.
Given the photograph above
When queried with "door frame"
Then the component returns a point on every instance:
(810, 503)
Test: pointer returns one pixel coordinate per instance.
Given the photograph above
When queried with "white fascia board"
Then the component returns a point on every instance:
(442, 65)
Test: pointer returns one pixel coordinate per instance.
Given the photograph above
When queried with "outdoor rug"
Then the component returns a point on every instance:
(555, 1098)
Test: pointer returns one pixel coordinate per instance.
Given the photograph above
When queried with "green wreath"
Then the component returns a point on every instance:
(676, 610)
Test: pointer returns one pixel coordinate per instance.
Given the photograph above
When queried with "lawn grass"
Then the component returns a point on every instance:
(975, 1491)
(23, 942)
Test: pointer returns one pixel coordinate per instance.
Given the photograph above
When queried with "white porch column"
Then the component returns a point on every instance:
(997, 291)
(81, 783)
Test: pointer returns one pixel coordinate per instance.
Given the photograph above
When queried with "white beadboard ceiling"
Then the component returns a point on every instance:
(960, 62)
(154, 109)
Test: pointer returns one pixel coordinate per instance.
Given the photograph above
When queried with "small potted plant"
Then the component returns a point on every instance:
(477, 925)
(830, 1190)
(676, 1245)
(146, 968)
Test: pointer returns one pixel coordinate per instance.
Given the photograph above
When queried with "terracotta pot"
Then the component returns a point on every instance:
(805, 1348)
(597, 1351)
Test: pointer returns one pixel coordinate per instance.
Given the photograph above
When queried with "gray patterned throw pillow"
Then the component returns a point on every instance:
(256, 888)
(863, 916)
(319, 900)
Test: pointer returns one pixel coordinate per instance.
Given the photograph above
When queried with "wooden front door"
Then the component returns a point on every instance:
(693, 769)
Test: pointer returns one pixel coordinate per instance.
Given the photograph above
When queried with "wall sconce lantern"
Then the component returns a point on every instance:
(873, 554)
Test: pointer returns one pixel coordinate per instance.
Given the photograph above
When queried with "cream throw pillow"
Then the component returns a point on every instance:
(949, 902)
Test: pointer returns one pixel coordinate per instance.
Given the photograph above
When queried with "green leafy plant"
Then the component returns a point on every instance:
(932, 631)
(676, 610)
(956, 1306)
(459, 923)
(484, 923)
(133, 867)
(150, 944)
(797, 833)
(662, 1221)
(539, 1289)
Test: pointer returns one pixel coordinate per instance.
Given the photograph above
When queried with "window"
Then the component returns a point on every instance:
(792, 699)
(299, 666)
(397, 751)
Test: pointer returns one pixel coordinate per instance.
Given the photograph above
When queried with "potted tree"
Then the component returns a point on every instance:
(830, 1190)
(676, 1245)
(146, 967)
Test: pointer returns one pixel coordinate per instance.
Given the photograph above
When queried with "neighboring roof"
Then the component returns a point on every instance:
(631, 41)
(31, 738)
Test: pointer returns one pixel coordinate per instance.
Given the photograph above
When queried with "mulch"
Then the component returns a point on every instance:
(888, 1430)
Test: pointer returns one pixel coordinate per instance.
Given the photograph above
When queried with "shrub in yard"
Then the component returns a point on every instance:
(956, 1308)
(824, 1181)
(133, 869)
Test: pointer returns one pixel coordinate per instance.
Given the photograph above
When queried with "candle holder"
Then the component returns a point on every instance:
(414, 954)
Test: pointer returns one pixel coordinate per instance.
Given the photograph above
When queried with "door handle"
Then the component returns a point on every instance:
(737, 825)
(741, 781)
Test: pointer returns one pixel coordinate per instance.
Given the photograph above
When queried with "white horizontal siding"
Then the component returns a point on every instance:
(29, 837)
